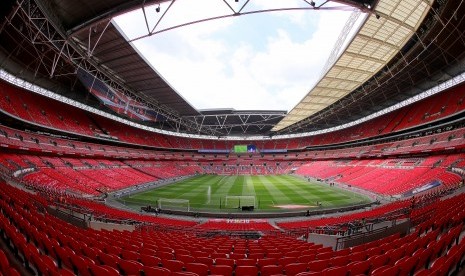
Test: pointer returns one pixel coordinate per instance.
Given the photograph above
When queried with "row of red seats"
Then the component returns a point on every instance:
(236, 226)
(50, 246)
(53, 114)
(40, 143)
(5, 267)
(101, 211)
(382, 211)
(93, 176)
(390, 176)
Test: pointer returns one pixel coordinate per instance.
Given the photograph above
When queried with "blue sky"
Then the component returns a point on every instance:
(260, 61)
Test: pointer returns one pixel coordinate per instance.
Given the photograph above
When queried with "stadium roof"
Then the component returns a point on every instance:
(400, 51)
(386, 31)
(117, 54)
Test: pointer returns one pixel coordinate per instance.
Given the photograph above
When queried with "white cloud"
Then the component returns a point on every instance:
(299, 17)
(210, 73)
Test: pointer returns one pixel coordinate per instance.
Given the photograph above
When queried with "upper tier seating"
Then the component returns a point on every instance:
(49, 113)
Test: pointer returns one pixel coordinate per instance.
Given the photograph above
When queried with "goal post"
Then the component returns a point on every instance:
(236, 202)
(173, 204)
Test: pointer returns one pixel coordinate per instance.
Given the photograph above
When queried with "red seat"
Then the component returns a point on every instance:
(156, 271)
(374, 251)
(318, 265)
(342, 252)
(173, 265)
(184, 273)
(268, 270)
(148, 260)
(130, 255)
(293, 254)
(45, 265)
(81, 264)
(310, 273)
(358, 256)
(90, 252)
(110, 250)
(242, 262)
(246, 270)
(386, 270)
(339, 261)
(109, 259)
(224, 261)
(395, 255)
(197, 254)
(306, 258)
(199, 268)
(357, 268)
(217, 255)
(185, 258)
(148, 251)
(97, 270)
(129, 267)
(221, 270)
(295, 268)
(424, 258)
(378, 261)
(336, 271)
(256, 255)
(205, 260)
(49, 247)
(426, 272)
(4, 264)
(440, 265)
(165, 255)
(275, 255)
(287, 260)
(63, 256)
(12, 272)
(181, 251)
(266, 261)
(407, 264)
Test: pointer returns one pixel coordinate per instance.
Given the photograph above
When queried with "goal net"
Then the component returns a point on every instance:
(174, 204)
(235, 202)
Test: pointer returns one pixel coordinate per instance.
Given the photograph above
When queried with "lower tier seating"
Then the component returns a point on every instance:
(46, 245)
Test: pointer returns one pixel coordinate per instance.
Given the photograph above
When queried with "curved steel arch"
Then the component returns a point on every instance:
(153, 31)
(127, 6)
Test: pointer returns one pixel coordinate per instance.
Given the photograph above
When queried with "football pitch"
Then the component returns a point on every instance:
(228, 193)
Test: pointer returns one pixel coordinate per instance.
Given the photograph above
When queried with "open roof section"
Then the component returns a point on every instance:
(86, 38)
(381, 37)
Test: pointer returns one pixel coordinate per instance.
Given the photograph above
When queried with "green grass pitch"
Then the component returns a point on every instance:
(272, 193)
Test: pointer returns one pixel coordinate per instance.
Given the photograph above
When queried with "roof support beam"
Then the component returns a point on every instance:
(384, 43)
(66, 50)
(343, 80)
(355, 55)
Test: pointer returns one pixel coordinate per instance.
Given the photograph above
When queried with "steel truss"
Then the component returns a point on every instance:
(40, 31)
(241, 10)
(244, 121)
(341, 107)
(60, 53)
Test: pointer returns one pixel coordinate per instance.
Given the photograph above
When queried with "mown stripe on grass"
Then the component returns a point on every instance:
(277, 196)
(297, 195)
(264, 197)
(269, 190)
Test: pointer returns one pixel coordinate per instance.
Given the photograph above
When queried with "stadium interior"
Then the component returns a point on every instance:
(87, 125)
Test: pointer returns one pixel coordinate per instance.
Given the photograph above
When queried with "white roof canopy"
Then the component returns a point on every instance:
(384, 33)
